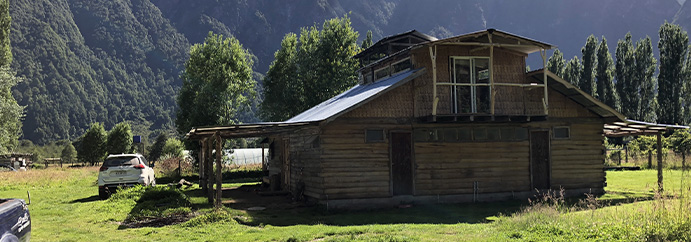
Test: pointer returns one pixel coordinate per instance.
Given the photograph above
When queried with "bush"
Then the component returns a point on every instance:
(168, 166)
(159, 202)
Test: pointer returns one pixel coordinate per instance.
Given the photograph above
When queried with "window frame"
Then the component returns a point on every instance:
(388, 73)
(473, 82)
(383, 135)
(568, 132)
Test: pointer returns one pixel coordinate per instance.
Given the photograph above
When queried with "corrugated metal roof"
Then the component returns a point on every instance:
(353, 98)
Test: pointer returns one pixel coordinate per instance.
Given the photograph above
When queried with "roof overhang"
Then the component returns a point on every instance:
(632, 128)
(245, 130)
(495, 38)
(616, 124)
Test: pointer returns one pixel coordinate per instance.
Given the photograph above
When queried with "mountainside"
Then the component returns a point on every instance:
(113, 60)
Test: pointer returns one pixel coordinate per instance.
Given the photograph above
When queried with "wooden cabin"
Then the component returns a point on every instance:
(450, 120)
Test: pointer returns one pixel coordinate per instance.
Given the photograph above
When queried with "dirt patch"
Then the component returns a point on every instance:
(248, 197)
(156, 221)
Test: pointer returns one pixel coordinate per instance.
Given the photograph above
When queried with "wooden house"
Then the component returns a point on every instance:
(450, 120)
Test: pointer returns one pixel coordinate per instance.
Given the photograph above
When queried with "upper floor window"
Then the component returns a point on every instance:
(473, 93)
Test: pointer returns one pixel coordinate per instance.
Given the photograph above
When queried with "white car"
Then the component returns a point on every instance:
(124, 170)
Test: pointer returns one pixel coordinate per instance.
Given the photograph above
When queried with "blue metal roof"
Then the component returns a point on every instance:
(353, 98)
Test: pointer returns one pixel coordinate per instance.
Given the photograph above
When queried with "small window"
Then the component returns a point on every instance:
(381, 73)
(480, 133)
(374, 135)
(561, 132)
(521, 134)
(464, 134)
(508, 134)
(425, 135)
(450, 135)
(493, 133)
(401, 65)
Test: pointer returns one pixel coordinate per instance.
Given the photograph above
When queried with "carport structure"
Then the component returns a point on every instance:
(212, 138)
(634, 128)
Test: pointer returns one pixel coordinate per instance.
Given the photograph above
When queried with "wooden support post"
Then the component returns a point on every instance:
(210, 171)
(492, 91)
(659, 162)
(545, 100)
(202, 165)
(435, 99)
(219, 183)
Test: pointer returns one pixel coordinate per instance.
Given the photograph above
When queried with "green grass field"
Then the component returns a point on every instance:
(65, 207)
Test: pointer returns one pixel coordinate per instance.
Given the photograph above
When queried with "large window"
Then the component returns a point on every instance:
(474, 95)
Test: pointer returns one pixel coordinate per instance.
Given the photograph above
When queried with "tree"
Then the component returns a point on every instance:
(173, 147)
(322, 66)
(217, 84)
(681, 144)
(5, 24)
(157, 147)
(673, 46)
(367, 42)
(605, 85)
(587, 82)
(93, 144)
(282, 88)
(572, 71)
(556, 63)
(644, 73)
(69, 153)
(628, 86)
(119, 140)
(11, 113)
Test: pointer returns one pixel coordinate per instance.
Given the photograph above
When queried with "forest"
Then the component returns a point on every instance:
(83, 62)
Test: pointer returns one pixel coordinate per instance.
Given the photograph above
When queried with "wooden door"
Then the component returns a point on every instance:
(539, 159)
(401, 163)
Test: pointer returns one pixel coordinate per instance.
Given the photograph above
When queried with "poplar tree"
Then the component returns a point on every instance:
(367, 42)
(587, 82)
(556, 63)
(673, 47)
(605, 84)
(644, 74)
(572, 71)
(628, 86)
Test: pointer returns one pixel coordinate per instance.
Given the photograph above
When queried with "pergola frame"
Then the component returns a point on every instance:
(634, 128)
(212, 138)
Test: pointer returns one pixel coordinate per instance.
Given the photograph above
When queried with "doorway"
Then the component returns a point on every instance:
(540, 159)
(401, 163)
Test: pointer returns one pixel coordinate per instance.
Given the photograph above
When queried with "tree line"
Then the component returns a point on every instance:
(628, 82)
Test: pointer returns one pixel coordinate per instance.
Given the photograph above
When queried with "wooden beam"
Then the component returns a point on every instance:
(219, 184)
(209, 171)
(201, 164)
(435, 100)
(659, 163)
(492, 91)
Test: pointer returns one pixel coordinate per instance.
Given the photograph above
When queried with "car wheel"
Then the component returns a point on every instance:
(103, 194)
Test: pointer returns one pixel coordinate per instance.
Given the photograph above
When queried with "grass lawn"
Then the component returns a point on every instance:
(65, 207)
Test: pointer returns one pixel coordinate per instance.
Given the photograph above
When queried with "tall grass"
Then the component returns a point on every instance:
(35, 178)
(549, 218)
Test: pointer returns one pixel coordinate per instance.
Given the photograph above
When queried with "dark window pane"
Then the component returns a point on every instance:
(463, 99)
(381, 73)
(508, 134)
(521, 134)
(464, 134)
(401, 66)
(480, 133)
(461, 70)
(450, 135)
(493, 134)
(121, 161)
(482, 99)
(562, 133)
(374, 135)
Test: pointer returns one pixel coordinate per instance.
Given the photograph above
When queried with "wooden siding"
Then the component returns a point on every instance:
(578, 162)
(452, 168)
(351, 167)
(304, 162)
(393, 104)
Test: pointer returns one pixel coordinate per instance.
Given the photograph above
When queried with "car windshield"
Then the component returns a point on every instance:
(121, 161)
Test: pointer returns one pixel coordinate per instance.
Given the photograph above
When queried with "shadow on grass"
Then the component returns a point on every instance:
(86, 199)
